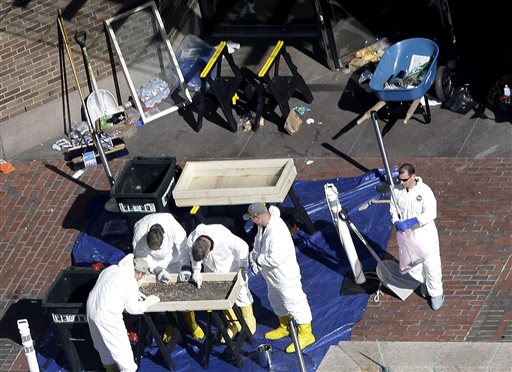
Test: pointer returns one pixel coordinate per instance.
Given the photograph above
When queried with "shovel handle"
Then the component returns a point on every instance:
(80, 38)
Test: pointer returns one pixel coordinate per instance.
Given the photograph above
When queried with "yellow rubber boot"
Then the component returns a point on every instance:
(111, 367)
(305, 337)
(193, 327)
(169, 329)
(279, 332)
(249, 318)
(234, 325)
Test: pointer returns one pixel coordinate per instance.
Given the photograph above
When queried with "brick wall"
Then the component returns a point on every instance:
(30, 59)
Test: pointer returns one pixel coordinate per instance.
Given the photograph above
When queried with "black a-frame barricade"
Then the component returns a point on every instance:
(223, 89)
(280, 88)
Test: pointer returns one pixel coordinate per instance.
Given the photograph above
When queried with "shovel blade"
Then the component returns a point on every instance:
(101, 103)
(401, 284)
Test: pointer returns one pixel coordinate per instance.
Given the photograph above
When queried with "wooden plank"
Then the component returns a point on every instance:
(412, 109)
(368, 113)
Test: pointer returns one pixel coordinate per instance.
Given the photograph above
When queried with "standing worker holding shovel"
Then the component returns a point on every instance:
(417, 235)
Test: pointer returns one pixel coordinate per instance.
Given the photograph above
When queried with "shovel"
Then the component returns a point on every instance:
(100, 102)
(387, 271)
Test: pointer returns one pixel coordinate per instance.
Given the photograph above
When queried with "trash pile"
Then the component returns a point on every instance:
(364, 56)
(78, 137)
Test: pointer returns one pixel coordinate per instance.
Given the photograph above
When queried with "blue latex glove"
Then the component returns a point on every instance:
(406, 224)
(161, 274)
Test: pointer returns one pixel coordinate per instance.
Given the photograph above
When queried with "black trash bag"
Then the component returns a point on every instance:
(461, 101)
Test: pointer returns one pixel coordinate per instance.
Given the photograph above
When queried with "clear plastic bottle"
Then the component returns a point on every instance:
(506, 91)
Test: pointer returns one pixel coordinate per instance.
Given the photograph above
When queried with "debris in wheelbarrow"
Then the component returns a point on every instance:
(406, 55)
(411, 78)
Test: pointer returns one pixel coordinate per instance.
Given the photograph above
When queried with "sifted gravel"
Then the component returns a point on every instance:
(170, 292)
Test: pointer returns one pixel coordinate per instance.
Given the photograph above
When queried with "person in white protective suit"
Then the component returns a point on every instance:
(162, 242)
(274, 255)
(417, 207)
(220, 251)
(116, 291)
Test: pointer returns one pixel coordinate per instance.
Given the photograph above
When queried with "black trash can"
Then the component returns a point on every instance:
(66, 302)
(144, 186)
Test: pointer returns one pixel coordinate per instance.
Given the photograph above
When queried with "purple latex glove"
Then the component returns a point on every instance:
(161, 274)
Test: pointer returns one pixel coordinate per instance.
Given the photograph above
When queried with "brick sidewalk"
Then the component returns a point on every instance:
(42, 208)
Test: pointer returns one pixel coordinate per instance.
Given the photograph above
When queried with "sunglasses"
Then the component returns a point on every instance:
(404, 179)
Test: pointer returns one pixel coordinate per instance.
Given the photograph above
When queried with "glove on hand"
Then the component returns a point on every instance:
(161, 274)
(255, 269)
(152, 300)
(184, 275)
(406, 224)
(243, 273)
(197, 277)
(253, 258)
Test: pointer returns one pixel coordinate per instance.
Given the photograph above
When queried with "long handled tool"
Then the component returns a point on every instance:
(385, 160)
(387, 270)
(94, 134)
(100, 103)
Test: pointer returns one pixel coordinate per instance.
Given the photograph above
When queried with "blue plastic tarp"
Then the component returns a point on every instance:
(324, 268)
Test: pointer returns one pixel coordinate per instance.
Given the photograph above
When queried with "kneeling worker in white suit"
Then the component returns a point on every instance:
(116, 291)
(220, 251)
(162, 242)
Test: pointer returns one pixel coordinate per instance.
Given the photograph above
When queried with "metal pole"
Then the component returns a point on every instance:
(385, 160)
(293, 332)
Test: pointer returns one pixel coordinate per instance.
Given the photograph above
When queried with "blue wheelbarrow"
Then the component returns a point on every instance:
(405, 72)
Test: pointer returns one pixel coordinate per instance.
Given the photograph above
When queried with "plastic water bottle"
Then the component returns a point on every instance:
(506, 91)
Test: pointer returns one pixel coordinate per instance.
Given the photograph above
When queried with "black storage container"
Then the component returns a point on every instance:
(66, 302)
(144, 186)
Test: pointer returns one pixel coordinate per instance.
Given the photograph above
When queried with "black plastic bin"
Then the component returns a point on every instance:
(144, 186)
(66, 302)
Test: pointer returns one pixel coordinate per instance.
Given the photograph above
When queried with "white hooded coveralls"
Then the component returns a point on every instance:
(115, 291)
(276, 256)
(420, 202)
(173, 254)
(228, 254)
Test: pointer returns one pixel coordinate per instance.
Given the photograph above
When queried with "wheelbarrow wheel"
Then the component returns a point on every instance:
(443, 84)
